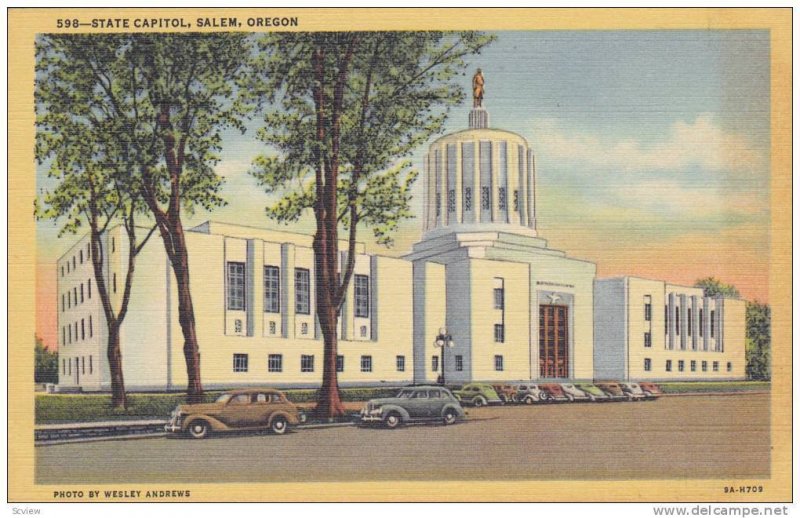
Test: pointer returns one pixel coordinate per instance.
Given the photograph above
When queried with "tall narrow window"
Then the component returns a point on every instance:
(236, 286)
(689, 321)
(647, 364)
(498, 362)
(467, 199)
(701, 322)
(648, 312)
(712, 323)
(80, 253)
(113, 245)
(499, 333)
(81, 292)
(451, 200)
(501, 198)
(75, 294)
(83, 330)
(63, 303)
(307, 363)
(361, 290)
(680, 365)
(669, 366)
(90, 326)
(677, 320)
(115, 282)
(89, 288)
(666, 320)
(339, 363)
(516, 200)
(459, 362)
(91, 367)
(302, 291)
(63, 335)
(272, 289)
(400, 361)
(434, 363)
(693, 365)
(366, 364)
(467, 174)
(648, 340)
(499, 298)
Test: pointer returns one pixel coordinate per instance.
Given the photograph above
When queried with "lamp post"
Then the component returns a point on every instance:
(443, 340)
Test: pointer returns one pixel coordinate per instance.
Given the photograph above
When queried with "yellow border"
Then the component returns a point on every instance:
(24, 23)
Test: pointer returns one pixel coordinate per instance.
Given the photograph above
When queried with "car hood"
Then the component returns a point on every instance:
(387, 401)
(200, 408)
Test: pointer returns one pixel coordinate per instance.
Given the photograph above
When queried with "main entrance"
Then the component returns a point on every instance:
(553, 341)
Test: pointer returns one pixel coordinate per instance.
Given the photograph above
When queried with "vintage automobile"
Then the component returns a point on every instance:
(614, 390)
(420, 403)
(634, 390)
(530, 393)
(594, 392)
(555, 392)
(508, 393)
(574, 393)
(650, 389)
(478, 394)
(248, 409)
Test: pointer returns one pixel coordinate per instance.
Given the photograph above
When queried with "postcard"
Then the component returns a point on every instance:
(407, 255)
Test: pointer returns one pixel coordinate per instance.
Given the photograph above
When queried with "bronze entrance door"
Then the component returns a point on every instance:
(553, 341)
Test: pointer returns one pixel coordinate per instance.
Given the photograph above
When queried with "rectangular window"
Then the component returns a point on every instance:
(69, 300)
(239, 363)
(486, 200)
(91, 367)
(302, 291)
(304, 328)
(677, 320)
(704, 366)
(467, 199)
(361, 290)
(648, 312)
(307, 363)
(115, 282)
(83, 364)
(715, 366)
(648, 340)
(689, 322)
(75, 294)
(63, 303)
(81, 292)
(434, 363)
(712, 323)
(647, 364)
(499, 298)
(76, 330)
(69, 329)
(83, 330)
(498, 362)
(501, 198)
(669, 366)
(89, 288)
(272, 289)
(693, 365)
(680, 365)
(401, 363)
(273, 327)
(74, 266)
(485, 150)
(451, 200)
(730, 366)
(467, 173)
(437, 167)
(113, 245)
(700, 321)
(63, 335)
(80, 253)
(666, 320)
(363, 331)
(499, 333)
(236, 286)
(90, 326)
(366, 364)
(62, 271)
(339, 363)
(275, 363)
(459, 362)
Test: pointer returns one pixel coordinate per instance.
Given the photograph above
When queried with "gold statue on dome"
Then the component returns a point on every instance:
(477, 89)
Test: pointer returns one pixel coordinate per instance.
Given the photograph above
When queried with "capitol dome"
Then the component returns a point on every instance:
(479, 179)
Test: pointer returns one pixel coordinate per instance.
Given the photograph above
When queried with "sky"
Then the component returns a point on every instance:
(652, 155)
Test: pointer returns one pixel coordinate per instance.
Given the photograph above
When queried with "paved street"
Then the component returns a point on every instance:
(675, 437)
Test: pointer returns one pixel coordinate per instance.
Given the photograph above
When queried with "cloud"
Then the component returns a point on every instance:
(699, 144)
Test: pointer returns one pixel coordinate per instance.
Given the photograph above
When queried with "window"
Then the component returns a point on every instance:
(76, 330)
(75, 295)
(67, 266)
(89, 288)
(435, 363)
(704, 366)
(69, 300)
(80, 254)
(499, 298)
(712, 323)
(83, 330)
(340, 363)
(275, 363)
(361, 289)
(501, 198)
(63, 335)
(302, 291)
(693, 365)
(307, 363)
(438, 204)
(677, 320)
(666, 320)
(459, 362)
(499, 333)
(701, 323)
(237, 325)
(91, 367)
(69, 328)
(74, 266)
(647, 364)
(62, 271)
(498, 362)
(239, 363)
(90, 326)
(236, 286)
(648, 311)
(88, 251)
(81, 292)
(648, 340)
(516, 200)
(467, 199)
(63, 304)
(486, 200)
(451, 200)
(304, 328)
(363, 331)
(83, 364)
(273, 327)
(401, 363)
(730, 366)
(113, 245)
(366, 364)
(669, 366)
(272, 289)
(115, 282)
(715, 366)
(680, 365)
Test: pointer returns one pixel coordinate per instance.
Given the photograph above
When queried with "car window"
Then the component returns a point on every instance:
(223, 398)
(421, 394)
(260, 398)
(435, 394)
(240, 399)
(405, 394)
(276, 398)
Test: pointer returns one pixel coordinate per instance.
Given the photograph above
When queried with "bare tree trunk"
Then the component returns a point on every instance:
(113, 352)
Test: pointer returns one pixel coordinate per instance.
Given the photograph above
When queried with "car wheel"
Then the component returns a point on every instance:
(199, 429)
(449, 416)
(543, 396)
(279, 425)
(528, 400)
(478, 402)
(392, 420)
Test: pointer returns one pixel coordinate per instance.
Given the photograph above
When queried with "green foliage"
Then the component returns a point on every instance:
(758, 341)
(713, 287)
(712, 386)
(45, 364)
(398, 90)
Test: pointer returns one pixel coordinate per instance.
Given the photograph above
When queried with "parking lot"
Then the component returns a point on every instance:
(673, 437)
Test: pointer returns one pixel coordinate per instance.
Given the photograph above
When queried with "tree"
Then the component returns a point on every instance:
(88, 147)
(347, 110)
(713, 287)
(45, 363)
(758, 340)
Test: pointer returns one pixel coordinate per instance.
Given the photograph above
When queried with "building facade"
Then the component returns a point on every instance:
(516, 309)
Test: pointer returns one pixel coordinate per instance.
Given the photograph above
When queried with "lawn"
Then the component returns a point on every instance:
(713, 386)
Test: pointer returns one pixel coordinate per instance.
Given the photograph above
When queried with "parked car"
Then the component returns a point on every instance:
(508, 393)
(554, 392)
(614, 390)
(574, 393)
(422, 403)
(593, 391)
(478, 394)
(530, 393)
(249, 409)
(650, 389)
(634, 390)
